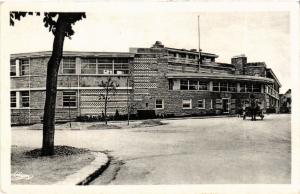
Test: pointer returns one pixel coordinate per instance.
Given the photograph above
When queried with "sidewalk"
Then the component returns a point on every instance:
(87, 173)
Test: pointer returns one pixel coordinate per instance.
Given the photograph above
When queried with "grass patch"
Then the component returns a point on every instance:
(28, 167)
(103, 126)
(149, 123)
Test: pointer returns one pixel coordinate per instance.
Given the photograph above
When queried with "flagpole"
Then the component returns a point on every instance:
(199, 41)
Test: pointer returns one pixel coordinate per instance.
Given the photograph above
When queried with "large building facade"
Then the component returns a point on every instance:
(166, 80)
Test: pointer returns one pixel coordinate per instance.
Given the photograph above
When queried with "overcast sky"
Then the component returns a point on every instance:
(261, 36)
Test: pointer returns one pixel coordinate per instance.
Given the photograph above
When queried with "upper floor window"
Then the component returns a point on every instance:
(69, 99)
(232, 87)
(216, 86)
(121, 66)
(13, 70)
(182, 55)
(24, 66)
(13, 99)
(184, 84)
(89, 66)
(25, 98)
(249, 87)
(68, 65)
(193, 85)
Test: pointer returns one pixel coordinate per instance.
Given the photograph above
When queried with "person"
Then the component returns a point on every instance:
(253, 104)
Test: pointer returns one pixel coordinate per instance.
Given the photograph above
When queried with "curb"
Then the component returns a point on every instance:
(89, 172)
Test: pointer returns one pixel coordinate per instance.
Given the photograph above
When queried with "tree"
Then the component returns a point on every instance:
(60, 24)
(109, 88)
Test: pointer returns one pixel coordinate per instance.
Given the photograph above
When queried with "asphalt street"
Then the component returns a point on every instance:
(186, 151)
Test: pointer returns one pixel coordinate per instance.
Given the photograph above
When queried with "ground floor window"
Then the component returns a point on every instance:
(201, 104)
(69, 99)
(25, 98)
(186, 104)
(159, 104)
(13, 99)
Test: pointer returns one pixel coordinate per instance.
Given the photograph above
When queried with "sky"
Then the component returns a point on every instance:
(261, 36)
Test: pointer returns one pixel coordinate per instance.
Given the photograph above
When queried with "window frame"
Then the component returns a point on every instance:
(203, 104)
(66, 104)
(13, 99)
(66, 61)
(162, 103)
(187, 102)
(25, 99)
(26, 66)
(13, 65)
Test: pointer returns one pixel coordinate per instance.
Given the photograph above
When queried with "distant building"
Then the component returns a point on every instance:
(169, 81)
(286, 102)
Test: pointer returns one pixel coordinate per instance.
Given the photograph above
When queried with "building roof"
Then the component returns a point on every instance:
(191, 52)
(220, 76)
(273, 75)
(73, 54)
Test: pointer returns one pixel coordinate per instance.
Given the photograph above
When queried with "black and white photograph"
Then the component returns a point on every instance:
(150, 96)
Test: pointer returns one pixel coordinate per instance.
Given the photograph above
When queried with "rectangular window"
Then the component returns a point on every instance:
(216, 86)
(184, 84)
(121, 66)
(69, 99)
(13, 71)
(223, 86)
(249, 87)
(232, 87)
(159, 104)
(243, 87)
(13, 99)
(256, 88)
(201, 104)
(24, 67)
(182, 55)
(105, 66)
(193, 85)
(203, 86)
(187, 104)
(24, 98)
(68, 66)
(88, 66)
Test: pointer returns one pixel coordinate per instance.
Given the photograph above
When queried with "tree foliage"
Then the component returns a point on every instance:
(50, 19)
(110, 87)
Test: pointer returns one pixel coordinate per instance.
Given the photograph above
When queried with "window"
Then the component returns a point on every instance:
(184, 84)
(202, 86)
(88, 66)
(187, 104)
(68, 66)
(13, 99)
(232, 87)
(171, 84)
(105, 66)
(159, 104)
(193, 84)
(201, 104)
(216, 86)
(24, 66)
(256, 88)
(13, 71)
(223, 86)
(243, 87)
(182, 55)
(25, 98)
(191, 56)
(121, 66)
(69, 99)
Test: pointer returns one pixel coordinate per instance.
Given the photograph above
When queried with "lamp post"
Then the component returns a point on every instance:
(128, 100)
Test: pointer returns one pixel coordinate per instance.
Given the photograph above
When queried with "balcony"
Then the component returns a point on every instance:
(183, 60)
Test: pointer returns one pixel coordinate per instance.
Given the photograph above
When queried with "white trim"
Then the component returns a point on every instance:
(203, 102)
(187, 108)
(162, 102)
(211, 104)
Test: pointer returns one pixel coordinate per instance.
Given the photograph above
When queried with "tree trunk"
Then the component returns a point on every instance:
(51, 87)
(105, 105)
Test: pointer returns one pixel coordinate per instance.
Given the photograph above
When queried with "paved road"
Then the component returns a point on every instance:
(188, 151)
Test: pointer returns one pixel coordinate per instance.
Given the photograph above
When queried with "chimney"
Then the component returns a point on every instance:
(239, 62)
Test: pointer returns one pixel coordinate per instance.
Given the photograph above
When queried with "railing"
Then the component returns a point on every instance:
(183, 60)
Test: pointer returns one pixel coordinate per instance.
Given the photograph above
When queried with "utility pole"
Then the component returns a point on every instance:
(199, 50)
(128, 100)
(69, 85)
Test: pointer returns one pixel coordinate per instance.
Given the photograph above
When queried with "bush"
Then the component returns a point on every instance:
(146, 114)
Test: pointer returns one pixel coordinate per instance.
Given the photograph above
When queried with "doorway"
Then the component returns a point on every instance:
(225, 105)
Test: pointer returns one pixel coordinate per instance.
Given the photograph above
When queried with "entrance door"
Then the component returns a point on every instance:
(225, 105)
